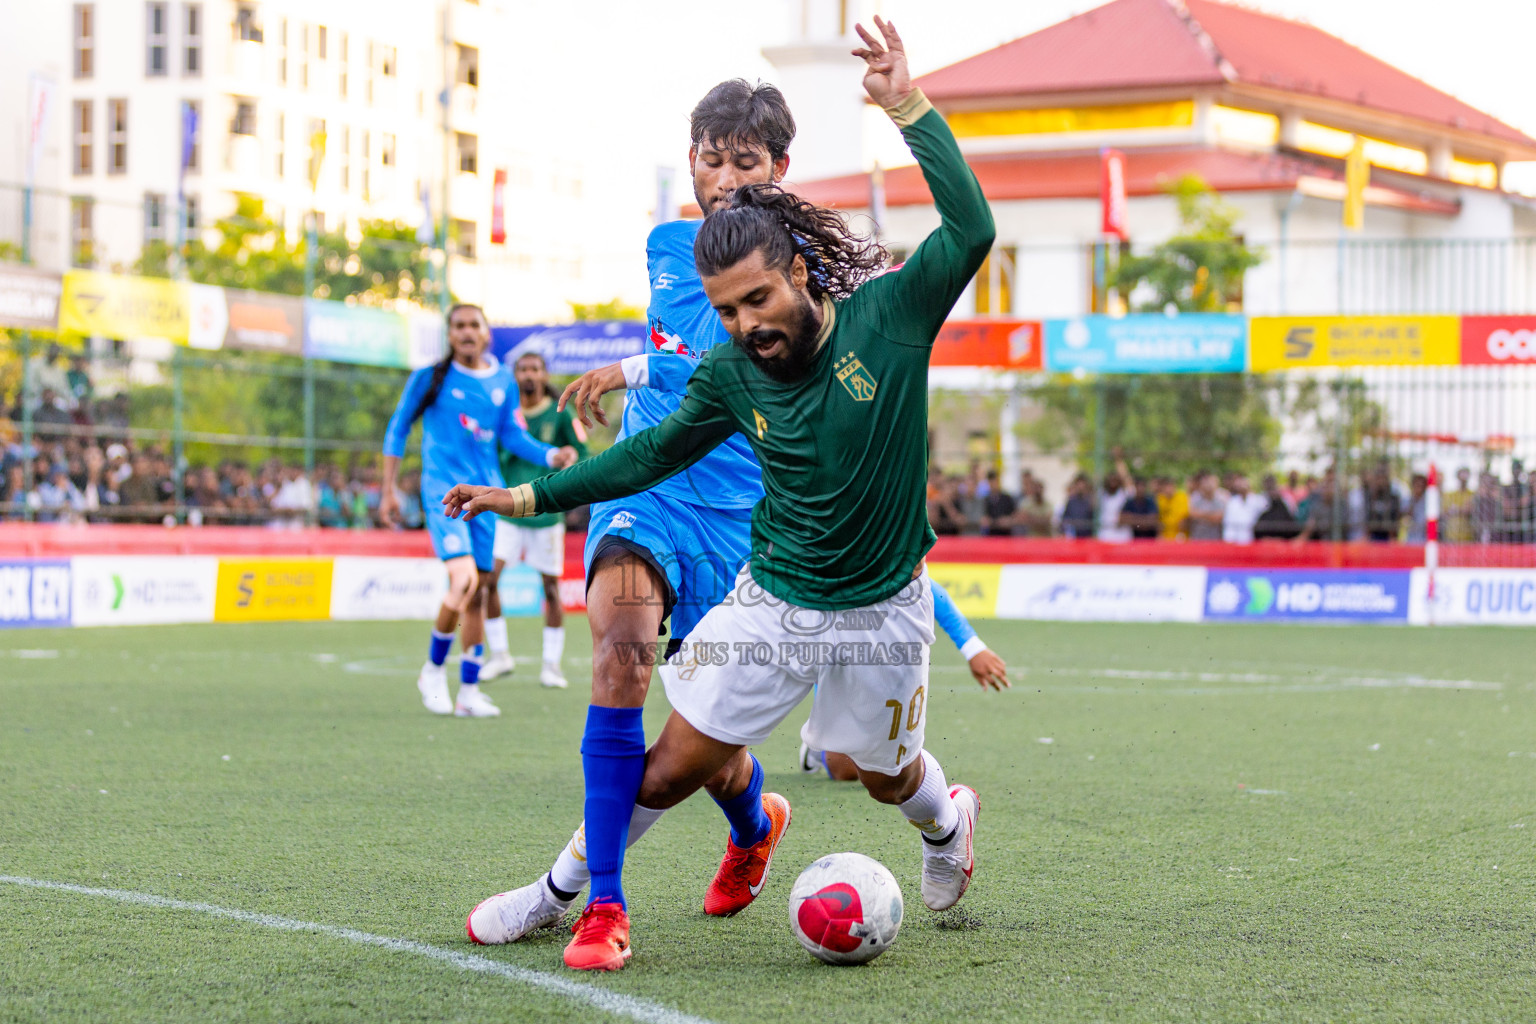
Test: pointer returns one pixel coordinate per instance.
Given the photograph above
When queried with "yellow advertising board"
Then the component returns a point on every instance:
(1287, 342)
(272, 589)
(973, 585)
(118, 306)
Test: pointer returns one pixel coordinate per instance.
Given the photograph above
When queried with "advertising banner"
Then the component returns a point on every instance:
(29, 298)
(1102, 593)
(429, 340)
(573, 349)
(272, 590)
(522, 591)
(1287, 342)
(136, 590)
(263, 322)
(355, 334)
(387, 588)
(1475, 597)
(999, 344)
(1307, 595)
(1148, 343)
(117, 306)
(974, 586)
(1498, 340)
(34, 593)
(208, 316)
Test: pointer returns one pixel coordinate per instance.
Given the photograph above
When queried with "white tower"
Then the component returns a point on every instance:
(820, 78)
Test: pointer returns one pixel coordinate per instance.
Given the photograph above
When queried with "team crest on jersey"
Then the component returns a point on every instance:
(621, 521)
(666, 341)
(860, 382)
(498, 395)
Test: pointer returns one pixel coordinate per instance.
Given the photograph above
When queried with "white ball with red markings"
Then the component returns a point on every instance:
(845, 908)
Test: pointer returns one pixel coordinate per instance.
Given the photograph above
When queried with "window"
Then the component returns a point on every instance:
(341, 82)
(344, 155)
(82, 239)
(469, 153)
(467, 71)
(85, 40)
(368, 81)
(247, 28)
(304, 57)
(156, 36)
(282, 52)
(117, 136)
(387, 61)
(192, 40)
(316, 150)
(461, 238)
(154, 217)
(244, 122)
(192, 213)
(83, 136)
(367, 193)
(387, 150)
(195, 154)
(994, 281)
(320, 39)
(280, 146)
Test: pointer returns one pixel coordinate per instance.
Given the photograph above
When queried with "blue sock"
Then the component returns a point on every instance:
(613, 762)
(469, 665)
(437, 653)
(749, 822)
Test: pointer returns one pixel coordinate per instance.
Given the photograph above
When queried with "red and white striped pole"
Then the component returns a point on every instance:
(1431, 537)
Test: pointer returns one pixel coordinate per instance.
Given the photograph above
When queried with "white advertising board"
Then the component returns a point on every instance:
(1102, 593)
(387, 588)
(1473, 597)
(141, 590)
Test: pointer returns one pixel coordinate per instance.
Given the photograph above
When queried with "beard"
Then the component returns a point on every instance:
(799, 348)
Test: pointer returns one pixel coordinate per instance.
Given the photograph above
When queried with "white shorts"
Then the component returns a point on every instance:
(542, 548)
(753, 658)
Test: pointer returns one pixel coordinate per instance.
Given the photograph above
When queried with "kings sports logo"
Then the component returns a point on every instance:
(859, 382)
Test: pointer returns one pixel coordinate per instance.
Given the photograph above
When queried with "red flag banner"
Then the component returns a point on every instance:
(1112, 192)
(499, 209)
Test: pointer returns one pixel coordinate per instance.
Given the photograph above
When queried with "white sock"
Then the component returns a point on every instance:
(930, 809)
(496, 635)
(554, 646)
(570, 872)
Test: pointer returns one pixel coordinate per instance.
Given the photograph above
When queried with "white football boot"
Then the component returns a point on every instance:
(810, 760)
(508, 916)
(433, 684)
(947, 872)
(496, 665)
(474, 704)
(552, 677)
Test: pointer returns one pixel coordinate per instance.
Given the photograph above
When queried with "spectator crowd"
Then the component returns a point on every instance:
(1128, 506)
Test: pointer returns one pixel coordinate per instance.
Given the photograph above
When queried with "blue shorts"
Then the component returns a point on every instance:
(454, 538)
(697, 550)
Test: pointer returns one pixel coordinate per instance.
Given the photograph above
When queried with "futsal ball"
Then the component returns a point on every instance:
(845, 908)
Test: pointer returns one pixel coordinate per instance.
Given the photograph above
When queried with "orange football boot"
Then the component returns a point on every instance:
(743, 872)
(602, 939)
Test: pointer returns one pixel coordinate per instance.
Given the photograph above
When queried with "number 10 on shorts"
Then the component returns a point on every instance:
(914, 716)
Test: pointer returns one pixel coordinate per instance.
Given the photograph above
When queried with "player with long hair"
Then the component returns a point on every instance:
(462, 402)
(827, 380)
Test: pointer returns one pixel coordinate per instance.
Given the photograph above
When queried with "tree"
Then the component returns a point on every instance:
(1173, 423)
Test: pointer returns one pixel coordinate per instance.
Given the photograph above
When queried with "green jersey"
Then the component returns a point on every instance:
(553, 427)
(843, 522)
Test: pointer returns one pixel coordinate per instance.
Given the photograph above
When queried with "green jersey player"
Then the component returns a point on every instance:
(827, 380)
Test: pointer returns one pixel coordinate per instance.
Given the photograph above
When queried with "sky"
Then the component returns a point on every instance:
(616, 78)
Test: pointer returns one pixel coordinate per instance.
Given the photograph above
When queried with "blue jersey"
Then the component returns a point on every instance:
(947, 614)
(460, 431)
(683, 326)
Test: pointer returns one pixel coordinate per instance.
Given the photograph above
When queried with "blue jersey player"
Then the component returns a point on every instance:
(465, 403)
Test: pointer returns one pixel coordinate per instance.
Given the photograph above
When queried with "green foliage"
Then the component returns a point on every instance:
(1199, 270)
(614, 309)
(1166, 423)
(253, 251)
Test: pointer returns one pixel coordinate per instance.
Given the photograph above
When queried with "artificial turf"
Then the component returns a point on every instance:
(1201, 823)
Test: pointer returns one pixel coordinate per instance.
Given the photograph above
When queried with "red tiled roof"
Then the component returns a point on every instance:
(1150, 43)
(1076, 176)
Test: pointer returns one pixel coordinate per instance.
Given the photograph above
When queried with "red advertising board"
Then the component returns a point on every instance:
(1498, 340)
(999, 344)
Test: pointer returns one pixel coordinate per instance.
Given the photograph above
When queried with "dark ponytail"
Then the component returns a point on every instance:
(441, 367)
(782, 226)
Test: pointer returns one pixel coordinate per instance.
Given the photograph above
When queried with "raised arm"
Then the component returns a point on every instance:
(986, 667)
(926, 286)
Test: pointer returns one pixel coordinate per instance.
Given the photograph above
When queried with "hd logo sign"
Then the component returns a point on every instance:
(273, 590)
(1302, 595)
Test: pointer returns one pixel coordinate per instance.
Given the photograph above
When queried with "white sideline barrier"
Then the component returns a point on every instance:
(142, 590)
(1474, 597)
(386, 588)
(1102, 593)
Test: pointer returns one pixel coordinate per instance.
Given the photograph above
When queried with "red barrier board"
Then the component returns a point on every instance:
(1498, 340)
(996, 344)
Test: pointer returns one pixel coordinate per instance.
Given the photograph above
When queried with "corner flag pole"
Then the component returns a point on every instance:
(1431, 537)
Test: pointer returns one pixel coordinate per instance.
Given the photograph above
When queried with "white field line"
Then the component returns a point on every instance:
(616, 1003)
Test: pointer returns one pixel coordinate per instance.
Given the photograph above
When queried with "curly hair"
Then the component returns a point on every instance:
(782, 226)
